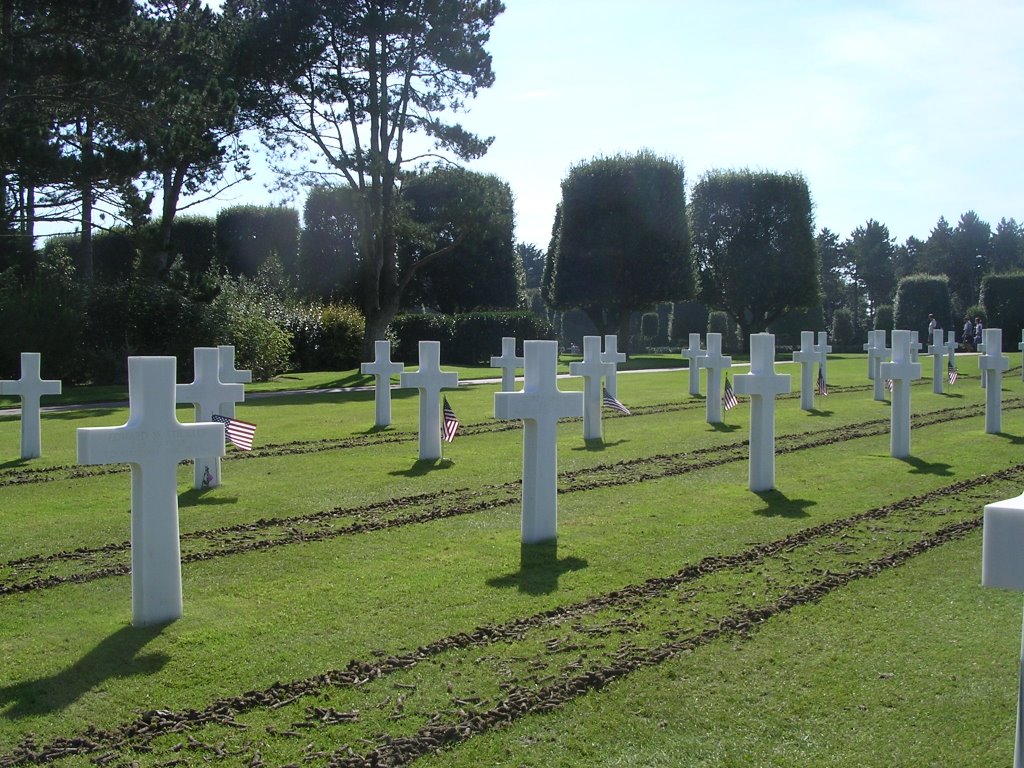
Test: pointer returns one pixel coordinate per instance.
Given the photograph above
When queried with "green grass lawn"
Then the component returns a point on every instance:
(348, 605)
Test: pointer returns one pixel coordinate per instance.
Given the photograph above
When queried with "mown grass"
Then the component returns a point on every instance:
(916, 666)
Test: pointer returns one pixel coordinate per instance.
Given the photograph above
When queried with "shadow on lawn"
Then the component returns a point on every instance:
(780, 505)
(597, 444)
(197, 497)
(817, 412)
(115, 656)
(724, 427)
(423, 467)
(922, 467)
(539, 569)
(13, 463)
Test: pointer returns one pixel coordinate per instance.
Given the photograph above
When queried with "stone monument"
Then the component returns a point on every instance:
(877, 354)
(762, 385)
(592, 368)
(612, 355)
(152, 442)
(208, 394)
(540, 405)
(430, 380)
(901, 371)
(993, 365)
(824, 349)
(508, 362)
(693, 354)
(716, 363)
(30, 388)
(807, 356)
(382, 369)
(937, 350)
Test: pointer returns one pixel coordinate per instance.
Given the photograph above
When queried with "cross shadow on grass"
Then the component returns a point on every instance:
(13, 463)
(597, 444)
(724, 427)
(424, 467)
(539, 569)
(780, 505)
(952, 394)
(198, 497)
(922, 467)
(1014, 439)
(817, 412)
(116, 656)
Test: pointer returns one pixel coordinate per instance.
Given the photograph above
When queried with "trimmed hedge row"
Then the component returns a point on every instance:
(468, 338)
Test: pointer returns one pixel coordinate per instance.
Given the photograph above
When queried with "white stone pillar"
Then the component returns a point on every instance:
(877, 354)
(993, 365)
(807, 357)
(915, 346)
(430, 380)
(540, 405)
(30, 388)
(693, 354)
(1002, 566)
(382, 369)
(592, 369)
(612, 355)
(716, 363)
(508, 362)
(207, 393)
(824, 349)
(762, 385)
(152, 442)
(902, 371)
(938, 352)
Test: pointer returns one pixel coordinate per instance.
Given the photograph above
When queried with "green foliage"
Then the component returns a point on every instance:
(917, 296)
(884, 318)
(787, 328)
(407, 331)
(976, 311)
(754, 245)
(688, 317)
(1001, 297)
(649, 325)
(872, 251)
(477, 335)
(622, 238)
(844, 335)
(329, 261)
(248, 236)
(721, 322)
(250, 314)
(326, 337)
(194, 240)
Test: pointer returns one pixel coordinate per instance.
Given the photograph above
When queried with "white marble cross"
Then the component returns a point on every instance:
(230, 375)
(208, 394)
(937, 350)
(993, 364)
(1020, 346)
(508, 361)
(902, 370)
(540, 405)
(592, 368)
(762, 385)
(30, 387)
(824, 349)
(153, 442)
(981, 348)
(612, 355)
(1002, 566)
(430, 380)
(716, 363)
(878, 354)
(382, 370)
(915, 346)
(951, 346)
(693, 353)
(807, 356)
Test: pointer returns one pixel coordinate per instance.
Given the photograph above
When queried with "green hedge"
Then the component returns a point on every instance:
(468, 338)
(326, 337)
(917, 296)
(1001, 296)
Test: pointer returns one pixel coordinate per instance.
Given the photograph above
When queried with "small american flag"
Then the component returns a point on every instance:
(611, 402)
(237, 432)
(450, 424)
(728, 396)
(822, 385)
(952, 374)
(888, 384)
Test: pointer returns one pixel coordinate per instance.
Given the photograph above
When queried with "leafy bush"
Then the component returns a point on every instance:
(1001, 297)
(917, 296)
(477, 335)
(249, 235)
(688, 317)
(720, 322)
(326, 337)
(884, 318)
(844, 331)
(249, 316)
(407, 331)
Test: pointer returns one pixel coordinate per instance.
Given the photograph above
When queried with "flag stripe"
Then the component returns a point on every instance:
(237, 432)
(611, 402)
(822, 384)
(728, 396)
(450, 424)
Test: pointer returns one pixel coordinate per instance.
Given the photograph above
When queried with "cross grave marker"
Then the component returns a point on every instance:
(382, 370)
(878, 354)
(951, 346)
(208, 394)
(612, 355)
(152, 442)
(693, 353)
(430, 380)
(540, 405)
(592, 368)
(807, 356)
(762, 385)
(993, 365)
(902, 370)
(508, 361)
(30, 388)
(716, 363)
(824, 349)
(937, 350)
(230, 375)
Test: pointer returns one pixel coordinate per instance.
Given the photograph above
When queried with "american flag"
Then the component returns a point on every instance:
(822, 385)
(952, 374)
(611, 402)
(450, 425)
(237, 432)
(728, 396)
(888, 384)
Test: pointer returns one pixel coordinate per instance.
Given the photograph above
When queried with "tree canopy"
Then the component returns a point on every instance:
(754, 245)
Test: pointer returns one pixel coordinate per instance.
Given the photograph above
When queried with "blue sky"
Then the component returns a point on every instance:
(900, 111)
